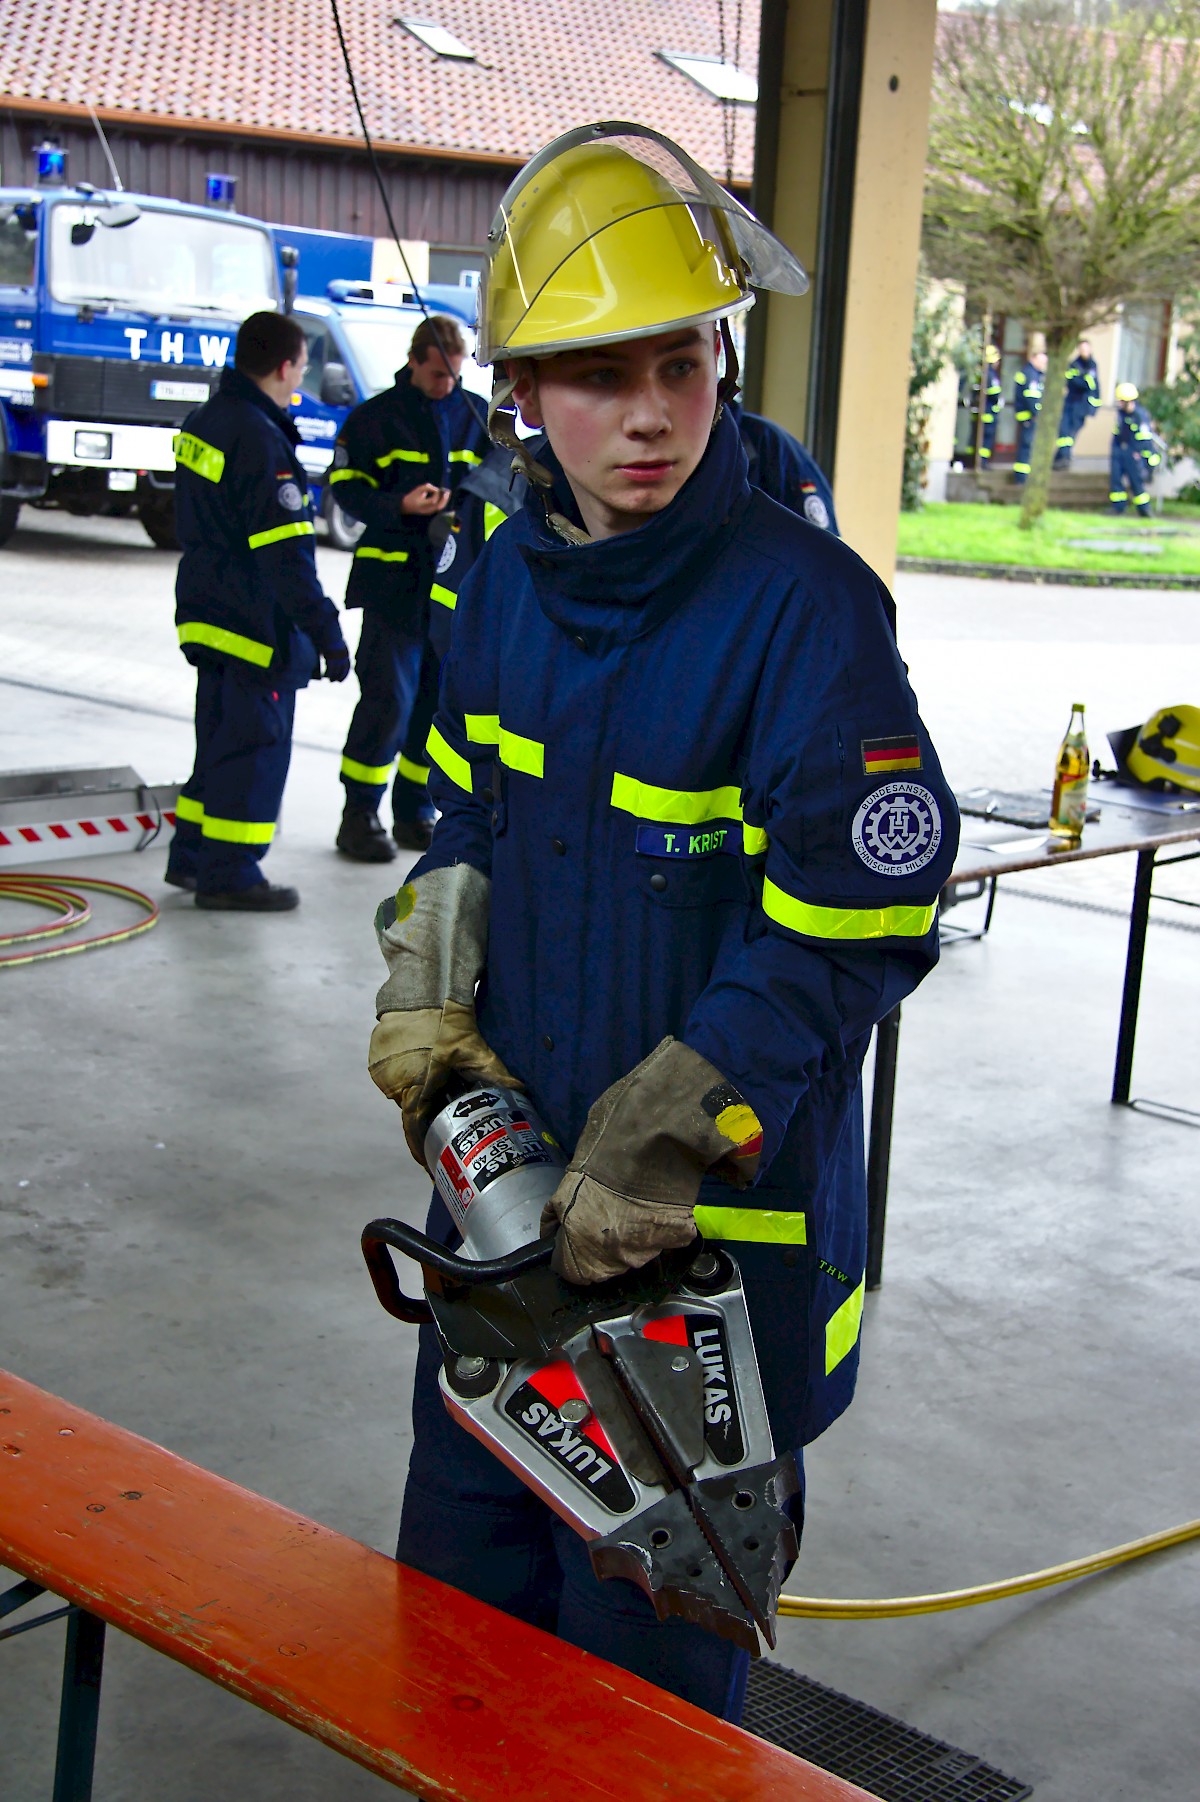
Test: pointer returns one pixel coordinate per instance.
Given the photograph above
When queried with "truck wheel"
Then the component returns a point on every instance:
(158, 517)
(344, 532)
(10, 510)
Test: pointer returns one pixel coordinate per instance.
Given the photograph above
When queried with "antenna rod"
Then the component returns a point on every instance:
(117, 182)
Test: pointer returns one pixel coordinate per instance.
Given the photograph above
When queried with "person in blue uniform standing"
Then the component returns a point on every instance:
(984, 403)
(1027, 404)
(692, 835)
(1081, 397)
(1134, 454)
(398, 459)
(251, 614)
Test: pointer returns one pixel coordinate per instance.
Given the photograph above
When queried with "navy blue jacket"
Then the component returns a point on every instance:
(1134, 434)
(689, 759)
(392, 443)
(1028, 384)
(247, 591)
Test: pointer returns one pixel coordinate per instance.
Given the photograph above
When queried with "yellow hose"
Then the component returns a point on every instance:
(57, 894)
(894, 1607)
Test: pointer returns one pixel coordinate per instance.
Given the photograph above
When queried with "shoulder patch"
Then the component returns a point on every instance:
(341, 456)
(289, 497)
(816, 512)
(882, 754)
(449, 551)
(898, 829)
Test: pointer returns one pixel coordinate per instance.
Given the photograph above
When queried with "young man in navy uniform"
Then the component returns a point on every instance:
(251, 614)
(691, 840)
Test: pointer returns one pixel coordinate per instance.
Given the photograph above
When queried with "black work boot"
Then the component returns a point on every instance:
(262, 898)
(361, 836)
(413, 835)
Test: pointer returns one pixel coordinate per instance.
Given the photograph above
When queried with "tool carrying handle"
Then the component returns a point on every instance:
(470, 1272)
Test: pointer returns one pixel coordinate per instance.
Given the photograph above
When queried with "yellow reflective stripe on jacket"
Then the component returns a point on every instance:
(675, 806)
(232, 643)
(239, 832)
(187, 809)
(373, 773)
(448, 759)
(368, 550)
(753, 1226)
(412, 772)
(845, 922)
(465, 456)
(524, 754)
(446, 596)
(841, 1333)
(201, 458)
(351, 475)
(302, 528)
(493, 516)
(754, 840)
(401, 456)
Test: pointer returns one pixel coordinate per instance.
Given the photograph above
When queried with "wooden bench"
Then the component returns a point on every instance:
(433, 1691)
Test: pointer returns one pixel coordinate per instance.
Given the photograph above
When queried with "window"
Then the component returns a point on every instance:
(717, 78)
(1142, 343)
(314, 331)
(438, 39)
(18, 240)
(162, 262)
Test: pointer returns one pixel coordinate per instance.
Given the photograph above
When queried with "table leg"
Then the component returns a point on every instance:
(83, 1664)
(1139, 915)
(879, 1152)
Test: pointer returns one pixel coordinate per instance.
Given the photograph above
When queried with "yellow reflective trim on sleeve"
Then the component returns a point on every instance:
(201, 458)
(302, 528)
(372, 773)
(449, 760)
(351, 475)
(845, 922)
(752, 1226)
(369, 551)
(412, 772)
(187, 809)
(842, 1329)
(444, 596)
(493, 516)
(465, 456)
(239, 832)
(401, 456)
(232, 643)
(675, 806)
(754, 840)
(516, 752)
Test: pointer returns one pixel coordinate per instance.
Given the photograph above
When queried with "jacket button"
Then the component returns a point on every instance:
(496, 817)
(559, 848)
(547, 1041)
(581, 641)
(487, 796)
(658, 883)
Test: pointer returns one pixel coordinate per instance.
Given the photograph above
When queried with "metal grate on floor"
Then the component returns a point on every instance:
(892, 1761)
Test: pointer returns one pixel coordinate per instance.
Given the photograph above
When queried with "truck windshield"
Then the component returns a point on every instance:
(381, 342)
(162, 263)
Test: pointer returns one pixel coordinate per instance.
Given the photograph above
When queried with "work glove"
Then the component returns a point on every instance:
(629, 1190)
(433, 935)
(335, 661)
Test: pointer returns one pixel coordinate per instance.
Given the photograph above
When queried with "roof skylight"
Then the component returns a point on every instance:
(722, 80)
(438, 39)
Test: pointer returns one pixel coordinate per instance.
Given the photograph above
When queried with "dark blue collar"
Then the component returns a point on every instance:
(240, 387)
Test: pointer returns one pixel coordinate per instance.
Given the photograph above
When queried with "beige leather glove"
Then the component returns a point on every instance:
(413, 1053)
(629, 1190)
(433, 935)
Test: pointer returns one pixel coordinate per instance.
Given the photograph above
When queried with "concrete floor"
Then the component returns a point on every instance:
(191, 1145)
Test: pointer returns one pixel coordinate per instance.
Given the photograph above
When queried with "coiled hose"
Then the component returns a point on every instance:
(71, 910)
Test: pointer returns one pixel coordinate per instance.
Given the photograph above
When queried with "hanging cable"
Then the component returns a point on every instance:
(58, 895)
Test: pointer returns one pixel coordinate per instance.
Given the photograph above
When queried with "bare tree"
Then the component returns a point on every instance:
(1064, 169)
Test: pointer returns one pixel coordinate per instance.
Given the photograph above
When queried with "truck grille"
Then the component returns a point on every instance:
(106, 390)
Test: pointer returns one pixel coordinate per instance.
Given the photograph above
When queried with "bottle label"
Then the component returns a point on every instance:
(1072, 802)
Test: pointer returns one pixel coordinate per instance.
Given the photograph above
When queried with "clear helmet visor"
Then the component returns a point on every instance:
(612, 231)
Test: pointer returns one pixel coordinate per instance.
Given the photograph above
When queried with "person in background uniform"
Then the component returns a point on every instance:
(987, 397)
(782, 468)
(691, 838)
(1134, 453)
(398, 461)
(1027, 404)
(251, 613)
(1081, 397)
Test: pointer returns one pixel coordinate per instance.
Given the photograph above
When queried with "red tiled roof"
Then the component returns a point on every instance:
(273, 66)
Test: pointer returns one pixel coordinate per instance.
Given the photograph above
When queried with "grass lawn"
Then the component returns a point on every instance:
(971, 533)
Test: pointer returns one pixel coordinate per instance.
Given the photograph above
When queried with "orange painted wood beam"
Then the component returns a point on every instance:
(428, 1688)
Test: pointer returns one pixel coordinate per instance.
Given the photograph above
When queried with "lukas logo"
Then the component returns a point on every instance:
(722, 1428)
(583, 1451)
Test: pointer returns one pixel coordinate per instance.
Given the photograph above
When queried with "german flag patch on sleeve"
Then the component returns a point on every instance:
(882, 754)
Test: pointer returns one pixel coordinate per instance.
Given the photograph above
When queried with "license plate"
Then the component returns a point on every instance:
(179, 391)
(124, 481)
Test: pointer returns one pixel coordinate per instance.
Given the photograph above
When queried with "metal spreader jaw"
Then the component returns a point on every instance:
(634, 1408)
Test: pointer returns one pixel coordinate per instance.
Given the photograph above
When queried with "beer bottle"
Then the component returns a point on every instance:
(1069, 804)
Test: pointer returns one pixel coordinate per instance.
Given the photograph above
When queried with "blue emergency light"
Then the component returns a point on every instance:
(51, 165)
(220, 190)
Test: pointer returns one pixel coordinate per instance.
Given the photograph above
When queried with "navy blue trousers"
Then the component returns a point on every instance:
(1069, 426)
(1126, 467)
(227, 809)
(397, 678)
(469, 1522)
(1021, 462)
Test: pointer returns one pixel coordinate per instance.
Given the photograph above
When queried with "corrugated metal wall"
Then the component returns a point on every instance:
(329, 190)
